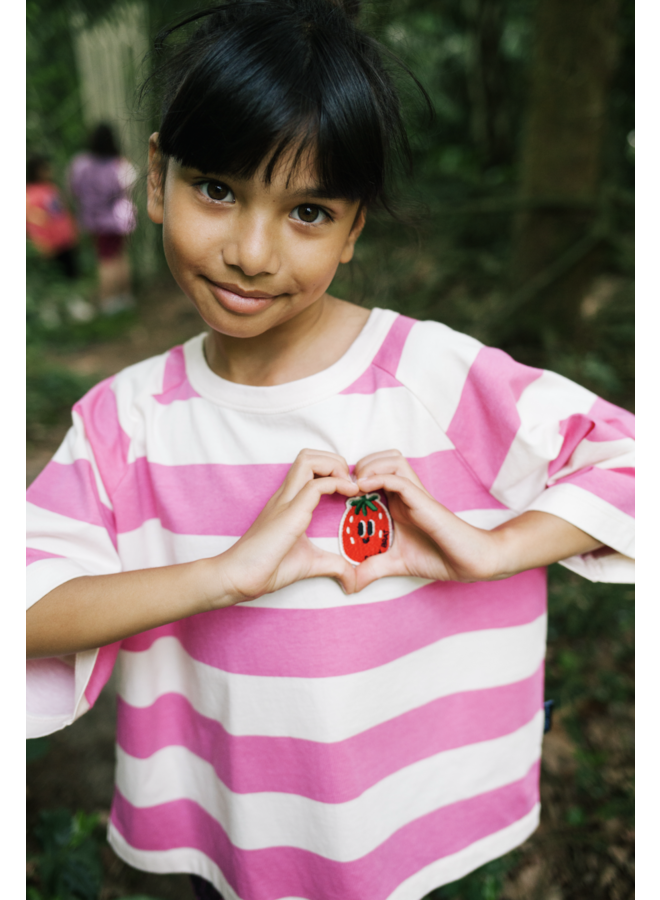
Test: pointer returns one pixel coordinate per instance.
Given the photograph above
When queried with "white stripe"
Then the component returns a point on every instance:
(54, 533)
(592, 514)
(435, 364)
(337, 831)
(451, 868)
(603, 454)
(338, 707)
(352, 425)
(541, 407)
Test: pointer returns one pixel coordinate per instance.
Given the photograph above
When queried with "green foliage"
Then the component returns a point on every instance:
(590, 673)
(69, 864)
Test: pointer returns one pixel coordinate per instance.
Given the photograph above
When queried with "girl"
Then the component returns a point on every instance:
(100, 180)
(312, 539)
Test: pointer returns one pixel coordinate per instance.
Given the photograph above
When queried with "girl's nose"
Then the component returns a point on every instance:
(251, 247)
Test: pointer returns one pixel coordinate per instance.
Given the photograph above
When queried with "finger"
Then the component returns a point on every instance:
(385, 565)
(310, 464)
(331, 565)
(411, 494)
(380, 454)
(312, 491)
(389, 465)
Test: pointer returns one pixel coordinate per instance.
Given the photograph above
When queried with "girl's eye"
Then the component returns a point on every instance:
(310, 214)
(214, 190)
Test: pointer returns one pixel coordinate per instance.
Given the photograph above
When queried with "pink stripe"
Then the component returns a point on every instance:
(446, 476)
(33, 556)
(70, 490)
(277, 872)
(175, 379)
(578, 428)
(372, 380)
(621, 420)
(321, 643)
(336, 772)
(616, 486)
(486, 420)
(387, 359)
(210, 498)
(110, 443)
(105, 661)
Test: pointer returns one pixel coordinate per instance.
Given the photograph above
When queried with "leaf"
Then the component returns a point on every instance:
(70, 865)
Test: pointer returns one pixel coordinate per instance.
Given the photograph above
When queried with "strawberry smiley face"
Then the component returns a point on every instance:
(366, 528)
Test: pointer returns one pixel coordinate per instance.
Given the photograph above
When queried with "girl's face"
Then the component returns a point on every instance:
(250, 256)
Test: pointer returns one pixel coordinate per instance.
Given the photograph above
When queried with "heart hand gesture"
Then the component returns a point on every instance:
(429, 540)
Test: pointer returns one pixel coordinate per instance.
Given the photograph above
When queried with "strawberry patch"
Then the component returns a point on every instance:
(366, 528)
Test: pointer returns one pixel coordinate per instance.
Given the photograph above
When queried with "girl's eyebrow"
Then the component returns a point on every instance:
(310, 190)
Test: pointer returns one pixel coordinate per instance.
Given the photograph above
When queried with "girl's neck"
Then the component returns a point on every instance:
(304, 345)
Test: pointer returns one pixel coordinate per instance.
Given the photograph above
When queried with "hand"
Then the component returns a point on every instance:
(429, 540)
(275, 551)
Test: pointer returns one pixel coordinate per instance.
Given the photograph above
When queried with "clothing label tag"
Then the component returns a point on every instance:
(365, 529)
(547, 707)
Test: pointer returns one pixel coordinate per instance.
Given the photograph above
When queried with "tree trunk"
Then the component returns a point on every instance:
(485, 77)
(553, 258)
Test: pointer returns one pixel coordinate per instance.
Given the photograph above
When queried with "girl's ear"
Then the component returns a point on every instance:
(155, 181)
(354, 234)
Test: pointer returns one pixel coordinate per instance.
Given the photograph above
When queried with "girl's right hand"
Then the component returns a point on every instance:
(275, 551)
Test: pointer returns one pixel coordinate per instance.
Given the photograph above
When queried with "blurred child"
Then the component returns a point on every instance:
(50, 225)
(314, 537)
(101, 180)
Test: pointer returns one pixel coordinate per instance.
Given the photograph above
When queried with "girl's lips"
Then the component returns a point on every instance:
(237, 303)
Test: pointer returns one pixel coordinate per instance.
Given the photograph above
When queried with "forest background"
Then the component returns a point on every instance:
(522, 236)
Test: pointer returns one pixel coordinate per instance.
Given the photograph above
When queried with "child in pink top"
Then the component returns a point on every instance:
(314, 538)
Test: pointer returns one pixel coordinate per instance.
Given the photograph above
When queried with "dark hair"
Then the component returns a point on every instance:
(260, 77)
(102, 141)
(35, 162)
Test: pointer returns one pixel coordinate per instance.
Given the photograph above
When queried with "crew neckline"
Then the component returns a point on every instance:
(291, 395)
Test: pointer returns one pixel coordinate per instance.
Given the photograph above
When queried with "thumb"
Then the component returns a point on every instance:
(381, 566)
(332, 565)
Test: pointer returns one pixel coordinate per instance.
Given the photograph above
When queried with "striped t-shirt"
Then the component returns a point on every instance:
(311, 744)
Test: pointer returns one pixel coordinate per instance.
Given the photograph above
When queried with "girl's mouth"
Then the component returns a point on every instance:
(234, 299)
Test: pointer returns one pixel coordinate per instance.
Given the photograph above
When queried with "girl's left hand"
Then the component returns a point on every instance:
(429, 540)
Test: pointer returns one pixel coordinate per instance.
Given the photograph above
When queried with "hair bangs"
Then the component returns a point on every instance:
(265, 84)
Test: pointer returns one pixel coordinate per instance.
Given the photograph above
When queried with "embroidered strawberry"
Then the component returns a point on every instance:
(366, 528)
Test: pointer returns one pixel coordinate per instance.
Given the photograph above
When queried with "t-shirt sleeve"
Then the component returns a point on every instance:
(71, 533)
(535, 440)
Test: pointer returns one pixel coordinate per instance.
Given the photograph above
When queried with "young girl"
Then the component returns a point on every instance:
(312, 539)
